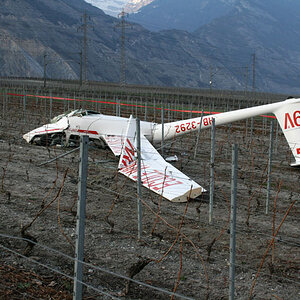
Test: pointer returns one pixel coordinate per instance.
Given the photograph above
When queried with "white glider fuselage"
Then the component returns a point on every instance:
(100, 126)
(120, 135)
(95, 125)
(287, 113)
(184, 126)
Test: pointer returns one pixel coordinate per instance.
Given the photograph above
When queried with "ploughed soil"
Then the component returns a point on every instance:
(178, 251)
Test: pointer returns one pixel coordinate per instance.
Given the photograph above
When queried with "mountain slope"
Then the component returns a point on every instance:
(134, 5)
(34, 30)
(31, 29)
(180, 14)
(267, 28)
(110, 7)
(115, 7)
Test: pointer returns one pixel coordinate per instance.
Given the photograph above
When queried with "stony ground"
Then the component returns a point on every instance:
(178, 250)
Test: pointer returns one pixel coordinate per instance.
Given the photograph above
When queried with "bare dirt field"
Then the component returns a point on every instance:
(179, 251)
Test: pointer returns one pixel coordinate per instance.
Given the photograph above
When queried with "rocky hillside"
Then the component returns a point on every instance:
(31, 29)
(110, 7)
(115, 7)
(34, 30)
(181, 14)
(268, 28)
(234, 31)
(135, 5)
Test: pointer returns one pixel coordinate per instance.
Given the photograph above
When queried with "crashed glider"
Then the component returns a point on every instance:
(119, 134)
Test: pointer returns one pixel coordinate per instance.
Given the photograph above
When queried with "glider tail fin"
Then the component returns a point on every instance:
(128, 154)
(288, 116)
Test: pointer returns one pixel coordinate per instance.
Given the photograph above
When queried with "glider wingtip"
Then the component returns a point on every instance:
(27, 137)
(189, 195)
(295, 164)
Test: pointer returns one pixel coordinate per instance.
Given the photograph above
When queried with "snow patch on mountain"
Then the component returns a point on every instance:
(114, 7)
(110, 7)
(134, 5)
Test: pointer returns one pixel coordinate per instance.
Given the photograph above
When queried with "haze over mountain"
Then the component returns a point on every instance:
(115, 7)
(220, 50)
(110, 7)
(181, 14)
(134, 5)
(268, 28)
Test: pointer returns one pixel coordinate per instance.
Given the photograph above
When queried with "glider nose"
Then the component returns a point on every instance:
(26, 137)
(296, 164)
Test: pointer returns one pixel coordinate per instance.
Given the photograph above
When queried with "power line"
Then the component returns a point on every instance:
(116, 274)
(87, 264)
(123, 25)
(56, 271)
(45, 75)
(84, 52)
(253, 69)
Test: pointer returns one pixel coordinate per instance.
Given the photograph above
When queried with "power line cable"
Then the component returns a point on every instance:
(87, 264)
(119, 275)
(57, 271)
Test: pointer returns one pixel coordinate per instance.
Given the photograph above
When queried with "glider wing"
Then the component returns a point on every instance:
(114, 142)
(156, 174)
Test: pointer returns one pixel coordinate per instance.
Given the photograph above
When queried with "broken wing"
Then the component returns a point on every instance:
(156, 174)
(114, 142)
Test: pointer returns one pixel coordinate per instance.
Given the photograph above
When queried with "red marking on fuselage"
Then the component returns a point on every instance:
(207, 121)
(48, 130)
(287, 120)
(297, 118)
(87, 131)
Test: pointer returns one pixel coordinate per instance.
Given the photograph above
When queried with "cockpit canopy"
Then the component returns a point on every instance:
(74, 113)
